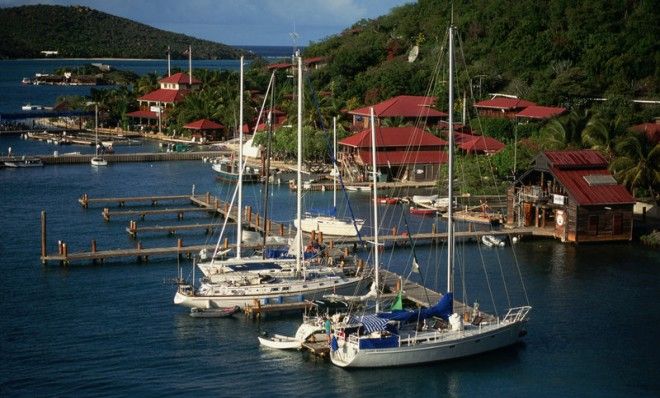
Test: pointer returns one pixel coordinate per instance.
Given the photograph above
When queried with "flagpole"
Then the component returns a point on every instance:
(190, 65)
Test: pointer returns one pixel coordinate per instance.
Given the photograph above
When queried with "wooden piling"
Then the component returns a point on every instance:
(106, 214)
(281, 229)
(248, 209)
(225, 244)
(208, 198)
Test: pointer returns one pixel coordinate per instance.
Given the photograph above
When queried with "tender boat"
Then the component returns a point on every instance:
(213, 312)
(24, 162)
(493, 241)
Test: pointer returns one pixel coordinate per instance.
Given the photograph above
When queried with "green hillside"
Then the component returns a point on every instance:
(82, 32)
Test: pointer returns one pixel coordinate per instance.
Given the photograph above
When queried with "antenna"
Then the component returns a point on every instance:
(294, 37)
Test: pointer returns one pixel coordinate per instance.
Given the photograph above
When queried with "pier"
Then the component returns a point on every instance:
(213, 205)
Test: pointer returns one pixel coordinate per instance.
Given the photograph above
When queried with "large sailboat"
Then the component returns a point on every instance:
(241, 283)
(395, 338)
(329, 224)
(97, 159)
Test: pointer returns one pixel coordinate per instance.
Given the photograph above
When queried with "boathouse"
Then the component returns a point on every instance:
(173, 89)
(408, 108)
(402, 153)
(572, 196)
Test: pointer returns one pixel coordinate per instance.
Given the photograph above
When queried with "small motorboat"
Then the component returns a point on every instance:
(423, 211)
(388, 200)
(493, 241)
(98, 161)
(280, 342)
(214, 312)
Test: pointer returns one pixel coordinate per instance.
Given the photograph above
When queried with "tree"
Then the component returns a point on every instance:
(637, 165)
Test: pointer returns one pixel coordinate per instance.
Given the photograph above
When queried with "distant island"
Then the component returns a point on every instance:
(81, 32)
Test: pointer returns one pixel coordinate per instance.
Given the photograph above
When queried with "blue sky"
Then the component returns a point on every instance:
(240, 22)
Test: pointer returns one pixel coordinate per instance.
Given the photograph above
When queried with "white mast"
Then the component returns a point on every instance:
(190, 65)
(375, 203)
(96, 128)
(169, 68)
(239, 221)
(450, 216)
(299, 167)
(334, 163)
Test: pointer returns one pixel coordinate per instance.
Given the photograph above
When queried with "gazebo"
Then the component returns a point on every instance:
(204, 130)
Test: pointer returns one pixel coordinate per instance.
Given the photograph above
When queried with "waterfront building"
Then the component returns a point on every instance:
(407, 108)
(572, 196)
(173, 89)
(204, 130)
(500, 106)
(402, 153)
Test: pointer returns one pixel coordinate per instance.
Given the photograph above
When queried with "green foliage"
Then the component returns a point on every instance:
(501, 129)
(637, 165)
(82, 32)
(474, 175)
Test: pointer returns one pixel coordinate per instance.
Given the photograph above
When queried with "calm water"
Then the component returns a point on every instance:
(112, 330)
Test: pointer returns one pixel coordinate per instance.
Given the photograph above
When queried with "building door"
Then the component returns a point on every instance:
(528, 214)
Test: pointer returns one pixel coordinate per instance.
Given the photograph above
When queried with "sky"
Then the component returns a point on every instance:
(240, 22)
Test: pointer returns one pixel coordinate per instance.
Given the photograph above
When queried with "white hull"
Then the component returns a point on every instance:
(440, 346)
(98, 161)
(330, 226)
(280, 342)
(287, 292)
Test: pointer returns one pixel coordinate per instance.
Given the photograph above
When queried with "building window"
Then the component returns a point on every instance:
(592, 228)
(617, 224)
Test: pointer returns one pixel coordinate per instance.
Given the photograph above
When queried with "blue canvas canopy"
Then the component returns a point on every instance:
(371, 323)
(442, 309)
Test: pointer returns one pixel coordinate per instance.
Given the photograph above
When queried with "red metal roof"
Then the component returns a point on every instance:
(203, 124)
(651, 130)
(402, 106)
(403, 137)
(314, 60)
(143, 114)
(179, 78)
(583, 159)
(480, 143)
(396, 158)
(540, 112)
(279, 66)
(584, 194)
(504, 103)
(163, 95)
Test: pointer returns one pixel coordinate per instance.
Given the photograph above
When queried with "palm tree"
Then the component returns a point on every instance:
(601, 134)
(147, 83)
(637, 164)
(564, 132)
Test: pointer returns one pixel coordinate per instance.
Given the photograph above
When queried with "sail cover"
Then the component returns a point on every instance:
(442, 309)
(371, 323)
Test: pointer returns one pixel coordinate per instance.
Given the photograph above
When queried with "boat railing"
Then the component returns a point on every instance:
(517, 314)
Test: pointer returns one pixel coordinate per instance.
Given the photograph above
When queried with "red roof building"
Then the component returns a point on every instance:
(651, 130)
(205, 130)
(571, 195)
(538, 112)
(403, 153)
(409, 107)
(480, 144)
(173, 89)
(502, 107)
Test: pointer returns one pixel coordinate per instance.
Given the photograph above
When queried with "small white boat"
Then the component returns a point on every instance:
(493, 241)
(98, 161)
(213, 312)
(24, 162)
(280, 342)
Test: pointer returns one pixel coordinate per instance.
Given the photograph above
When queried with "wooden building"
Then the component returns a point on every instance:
(407, 108)
(402, 153)
(572, 196)
(502, 107)
(204, 130)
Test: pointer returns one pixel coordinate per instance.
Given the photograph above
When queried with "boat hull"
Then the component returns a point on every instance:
(238, 297)
(488, 339)
(280, 342)
(330, 226)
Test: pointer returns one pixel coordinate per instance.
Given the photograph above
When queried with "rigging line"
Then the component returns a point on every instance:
(415, 262)
(515, 259)
(267, 176)
(490, 289)
(334, 160)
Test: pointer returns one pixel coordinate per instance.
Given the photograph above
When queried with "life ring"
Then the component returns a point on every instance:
(560, 219)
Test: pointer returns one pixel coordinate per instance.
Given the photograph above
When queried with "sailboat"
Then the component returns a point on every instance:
(386, 339)
(97, 160)
(242, 283)
(329, 224)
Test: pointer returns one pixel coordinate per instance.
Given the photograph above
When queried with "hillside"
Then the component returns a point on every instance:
(82, 32)
(550, 51)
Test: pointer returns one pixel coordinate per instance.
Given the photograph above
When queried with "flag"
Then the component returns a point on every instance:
(397, 304)
(415, 265)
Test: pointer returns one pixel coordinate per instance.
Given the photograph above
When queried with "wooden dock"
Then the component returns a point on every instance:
(85, 200)
(133, 228)
(132, 157)
(258, 310)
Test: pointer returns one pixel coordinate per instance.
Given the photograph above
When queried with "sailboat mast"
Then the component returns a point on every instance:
(450, 193)
(239, 206)
(334, 163)
(269, 139)
(375, 203)
(299, 168)
(96, 128)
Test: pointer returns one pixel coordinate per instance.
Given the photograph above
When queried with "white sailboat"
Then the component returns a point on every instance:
(295, 285)
(330, 224)
(393, 339)
(97, 160)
